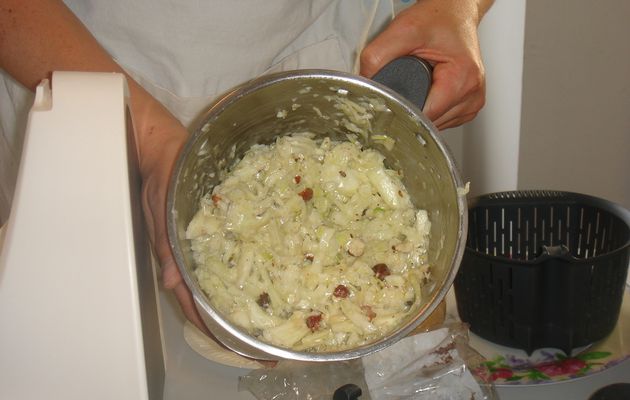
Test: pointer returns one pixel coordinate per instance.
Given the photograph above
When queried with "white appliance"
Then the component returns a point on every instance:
(81, 315)
(77, 296)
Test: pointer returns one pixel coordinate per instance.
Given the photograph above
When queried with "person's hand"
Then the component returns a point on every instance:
(444, 33)
(160, 139)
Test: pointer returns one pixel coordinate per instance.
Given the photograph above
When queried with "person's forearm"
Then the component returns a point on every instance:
(41, 36)
(474, 9)
(483, 6)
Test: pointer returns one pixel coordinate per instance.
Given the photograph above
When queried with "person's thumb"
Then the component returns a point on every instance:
(392, 43)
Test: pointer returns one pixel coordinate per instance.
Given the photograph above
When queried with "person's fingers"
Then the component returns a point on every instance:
(187, 303)
(400, 38)
(458, 90)
(447, 39)
(456, 121)
(153, 204)
(149, 220)
(171, 277)
(459, 113)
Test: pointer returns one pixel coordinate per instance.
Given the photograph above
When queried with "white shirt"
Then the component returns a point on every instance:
(187, 52)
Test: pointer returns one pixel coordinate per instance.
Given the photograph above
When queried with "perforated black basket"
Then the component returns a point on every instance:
(543, 269)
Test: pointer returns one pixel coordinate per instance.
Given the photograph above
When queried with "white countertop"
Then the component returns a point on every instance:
(191, 376)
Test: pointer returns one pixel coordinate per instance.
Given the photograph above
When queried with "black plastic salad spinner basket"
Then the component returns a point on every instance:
(543, 269)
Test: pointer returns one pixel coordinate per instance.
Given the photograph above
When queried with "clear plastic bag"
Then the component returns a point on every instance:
(296, 380)
(431, 365)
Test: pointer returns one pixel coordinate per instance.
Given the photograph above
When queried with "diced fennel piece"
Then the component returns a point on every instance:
(258, 317)
(288, 286)
(352, 127)
(317, 338)
(385, 140)
(202, 224)
(423, 225)
(355, 247)
(355, 314)
(391, 298)
(288, 333)
(395, 280)
(327, 246)
(415, 283)
(241, 318)
(245, 263)
(345, 326)
(338, 322)
(221, 296)
(340, 178)
(389, 190)
(277, 301)
(386, 322)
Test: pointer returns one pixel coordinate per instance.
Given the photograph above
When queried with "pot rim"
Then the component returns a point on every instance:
(272, 352)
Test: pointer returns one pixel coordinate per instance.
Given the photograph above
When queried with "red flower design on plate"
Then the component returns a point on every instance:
(561, 367)
(558, 367)
(501, 373)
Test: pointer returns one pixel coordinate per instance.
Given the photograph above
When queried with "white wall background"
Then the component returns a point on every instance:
(558, 100)
(575, 130)
(490, 144)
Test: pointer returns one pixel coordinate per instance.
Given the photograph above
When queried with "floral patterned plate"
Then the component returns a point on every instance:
(509, 366)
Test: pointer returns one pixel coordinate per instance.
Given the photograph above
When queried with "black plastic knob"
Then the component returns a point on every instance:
(347, 392)
(617, 391)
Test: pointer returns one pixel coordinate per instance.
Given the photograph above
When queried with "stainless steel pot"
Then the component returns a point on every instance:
(260, 110)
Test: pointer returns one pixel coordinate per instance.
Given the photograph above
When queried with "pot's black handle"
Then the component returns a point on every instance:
(409, 76)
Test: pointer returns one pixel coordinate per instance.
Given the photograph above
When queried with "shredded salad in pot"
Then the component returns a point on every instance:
(311, 244)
